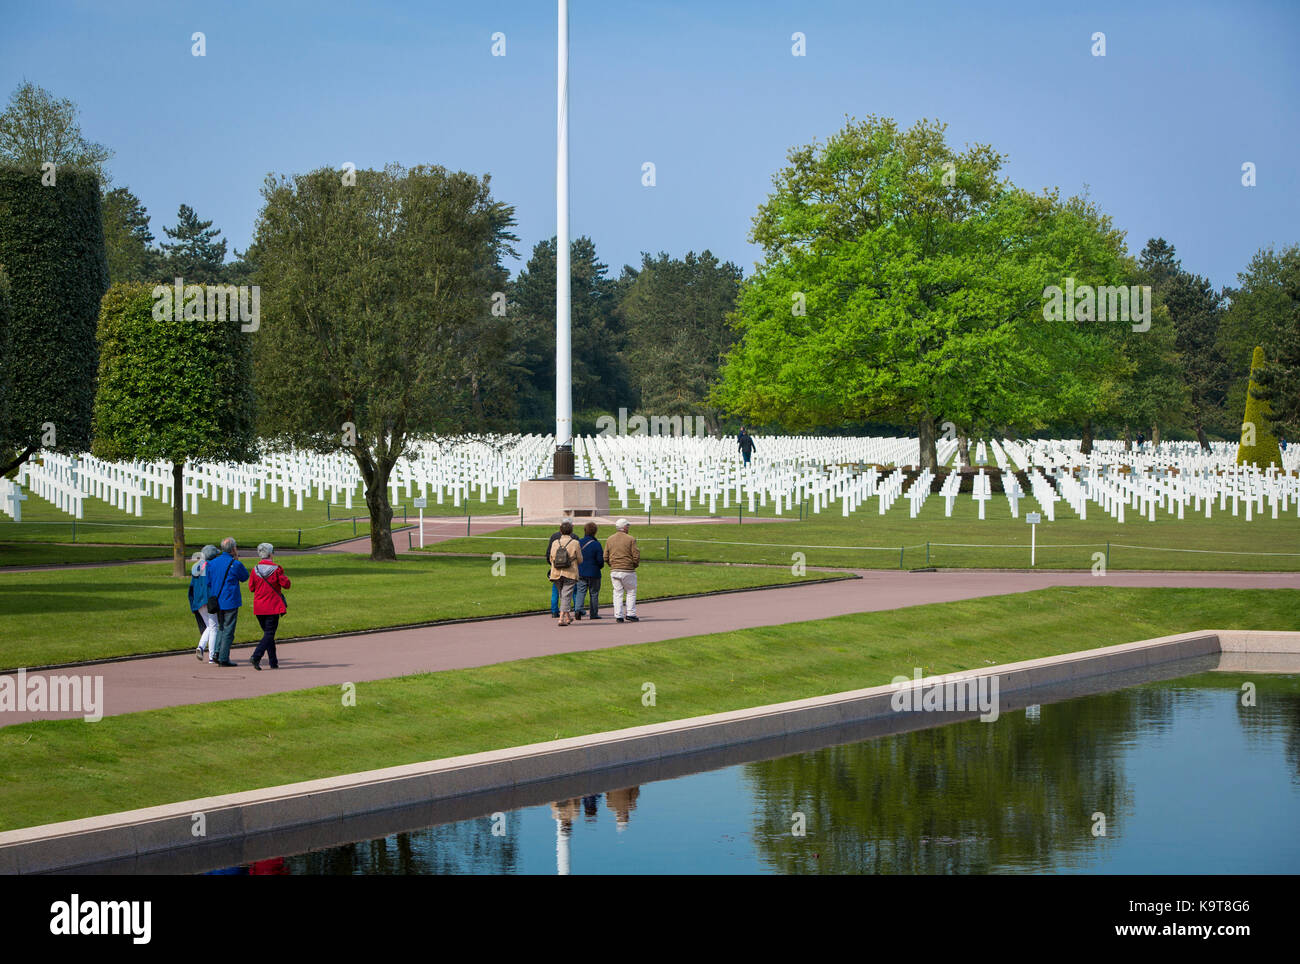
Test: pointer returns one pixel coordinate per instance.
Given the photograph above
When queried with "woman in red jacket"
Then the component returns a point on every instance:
(268, 582)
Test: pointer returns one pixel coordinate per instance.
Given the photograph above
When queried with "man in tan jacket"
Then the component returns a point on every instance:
(622, 556)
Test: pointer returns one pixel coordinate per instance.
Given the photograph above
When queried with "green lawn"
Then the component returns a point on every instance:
(268, 522)
(61, 770)
(51, 554)
(960, 541)
(67, 615)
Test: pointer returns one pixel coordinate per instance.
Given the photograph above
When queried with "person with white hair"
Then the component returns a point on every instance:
(225, 573)
(268, 583)
(622, 556)
(199, 603)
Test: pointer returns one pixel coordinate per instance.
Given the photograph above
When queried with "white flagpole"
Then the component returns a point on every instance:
(563, 345)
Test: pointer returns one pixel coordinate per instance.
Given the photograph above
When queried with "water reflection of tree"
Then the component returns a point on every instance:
(964, 798)
(1276, 711)
(467, 847)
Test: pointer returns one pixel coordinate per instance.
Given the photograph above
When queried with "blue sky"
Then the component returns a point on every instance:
(708, 91)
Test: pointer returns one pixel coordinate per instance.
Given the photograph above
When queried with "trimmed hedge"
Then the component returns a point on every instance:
(52, 247)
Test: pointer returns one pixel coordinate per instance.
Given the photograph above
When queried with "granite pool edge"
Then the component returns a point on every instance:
(137, 833)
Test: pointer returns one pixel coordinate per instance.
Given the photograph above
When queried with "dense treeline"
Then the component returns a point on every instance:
(903, 288)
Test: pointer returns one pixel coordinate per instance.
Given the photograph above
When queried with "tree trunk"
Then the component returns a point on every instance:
(1201, 437)
(1085, 448)
(711, 423)
(1155, 434)
(963, 450)
(178, 519)
(381, 513)
(18, 460)
(925, 436)
(1128, 443)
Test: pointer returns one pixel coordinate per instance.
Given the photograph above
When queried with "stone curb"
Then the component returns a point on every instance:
(231, 817)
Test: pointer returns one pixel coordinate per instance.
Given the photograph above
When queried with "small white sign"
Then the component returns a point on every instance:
(1033, 518)
(421, 503)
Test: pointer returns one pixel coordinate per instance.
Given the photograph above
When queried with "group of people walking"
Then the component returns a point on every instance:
(215, 600)
(574, 567)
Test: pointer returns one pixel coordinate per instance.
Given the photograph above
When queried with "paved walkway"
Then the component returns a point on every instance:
(436, 529)
(141, 684)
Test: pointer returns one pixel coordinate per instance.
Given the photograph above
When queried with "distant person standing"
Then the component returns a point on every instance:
(593, 560)
(225, 573)
(746, 443)
(268, 582)
(565, 556)
(623, 556)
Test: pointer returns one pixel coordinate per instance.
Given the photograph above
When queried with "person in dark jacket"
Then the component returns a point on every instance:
(593, 561)
(555, 587)
(746, 444)
(225, 573)
(268, 582)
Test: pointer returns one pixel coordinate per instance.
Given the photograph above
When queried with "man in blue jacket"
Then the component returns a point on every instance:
(593, 560)
(225, 573)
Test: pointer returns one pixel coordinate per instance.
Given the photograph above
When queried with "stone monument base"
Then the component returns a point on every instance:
(549, 500)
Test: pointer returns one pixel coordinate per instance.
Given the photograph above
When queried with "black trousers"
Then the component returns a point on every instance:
(266, 644)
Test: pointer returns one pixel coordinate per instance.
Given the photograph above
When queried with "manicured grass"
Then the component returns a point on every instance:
(60, 770)
(16, 554)
(1067, 543)
(68, 615)
(268, 522)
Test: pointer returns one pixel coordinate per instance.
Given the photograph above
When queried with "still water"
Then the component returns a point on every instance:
(1170, 777)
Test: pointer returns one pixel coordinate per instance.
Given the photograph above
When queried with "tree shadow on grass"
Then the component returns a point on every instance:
(75, 600)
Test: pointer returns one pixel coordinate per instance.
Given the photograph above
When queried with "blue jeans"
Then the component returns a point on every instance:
(226, 620)
(555, 599)
(581, 590)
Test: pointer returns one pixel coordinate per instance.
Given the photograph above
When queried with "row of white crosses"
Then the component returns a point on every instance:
(54, 479)
(701, 473)
(11, 499)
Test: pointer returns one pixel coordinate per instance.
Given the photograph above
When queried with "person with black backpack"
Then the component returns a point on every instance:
(565, 555)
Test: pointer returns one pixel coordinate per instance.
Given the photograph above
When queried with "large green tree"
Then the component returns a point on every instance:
(128, 239)
(52, 248)
(599, 379)
(675, 318)
(1262, 310)
(38, 128)
(172, 390)
(198, 252)
(905, 280)
(1195, 310)
(370, 291)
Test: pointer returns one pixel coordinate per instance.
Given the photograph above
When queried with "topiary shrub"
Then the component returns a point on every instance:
(1256, 426)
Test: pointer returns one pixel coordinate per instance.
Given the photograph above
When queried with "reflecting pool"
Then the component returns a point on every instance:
(1194, 775)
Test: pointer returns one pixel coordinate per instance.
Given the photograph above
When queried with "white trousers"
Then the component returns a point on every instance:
(210, 634)
(624, 584)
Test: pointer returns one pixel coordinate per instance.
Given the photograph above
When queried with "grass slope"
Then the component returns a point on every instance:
(60, 770)
(1221, 542)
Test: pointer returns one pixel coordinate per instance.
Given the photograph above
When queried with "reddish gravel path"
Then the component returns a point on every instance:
(140, 684)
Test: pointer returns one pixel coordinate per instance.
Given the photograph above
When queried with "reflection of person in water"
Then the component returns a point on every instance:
(590, 806)
(622, 802)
